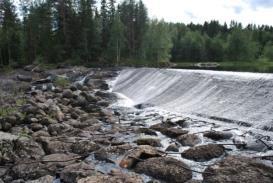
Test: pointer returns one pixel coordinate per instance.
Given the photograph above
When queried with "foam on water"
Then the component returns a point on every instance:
(229, 96)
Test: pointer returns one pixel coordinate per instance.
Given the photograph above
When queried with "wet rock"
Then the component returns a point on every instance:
(89, 97)
(140, 153)
(217, 135)
(182, 123)
(161, 126)
(189, 140)
(194, 181)
(6, 126)
(119, 149)
(173, 132)
(146, 131)
(40, 133)
(102, 155)
(24, 78)
(68, 94)
(74, 172)
(149, 141)
(173, 147)
(204, 152)
(45, 179)
(121, 178)
(84, 147)
(236, 169)
(166, 169)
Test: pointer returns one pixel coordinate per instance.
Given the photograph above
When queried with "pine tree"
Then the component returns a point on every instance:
(117, 40)
(10, 33)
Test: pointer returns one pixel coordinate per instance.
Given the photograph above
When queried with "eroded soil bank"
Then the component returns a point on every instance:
(66, 125)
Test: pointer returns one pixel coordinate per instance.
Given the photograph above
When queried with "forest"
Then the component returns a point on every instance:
(109, 33)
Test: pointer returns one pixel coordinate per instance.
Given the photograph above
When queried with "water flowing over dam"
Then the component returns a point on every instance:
(229, 97)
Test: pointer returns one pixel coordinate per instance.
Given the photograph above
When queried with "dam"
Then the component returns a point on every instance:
(229, 97)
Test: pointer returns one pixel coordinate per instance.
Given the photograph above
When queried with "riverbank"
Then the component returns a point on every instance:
(67, 125)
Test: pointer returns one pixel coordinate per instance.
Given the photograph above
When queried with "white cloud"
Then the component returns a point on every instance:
(198, 11)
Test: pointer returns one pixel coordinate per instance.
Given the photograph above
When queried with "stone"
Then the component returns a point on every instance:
(84, 147)
(45, 179)
(174, 132)
(24, 78)
(55, 161)
(120, 178)
(165, 169)
(36, 126)
(68, 94)
(140, 153)
(173, 148)
(28, 149)
(30, 171)
(237, 169)
(204, 152)
(189, 140)
(182, 123)
(217, 135)
(53, 147)
(146, 131)
(149, 141)
(74, 172)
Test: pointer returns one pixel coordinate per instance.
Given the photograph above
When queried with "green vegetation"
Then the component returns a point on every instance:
(61, 82)
(77, 32)
(7, 111)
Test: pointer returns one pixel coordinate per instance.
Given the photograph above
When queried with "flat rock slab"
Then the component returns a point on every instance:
(236, 169)
(149, 141)
(217, 135)
(204, 152)
(189, 140)
(165, 169)
(138, 154)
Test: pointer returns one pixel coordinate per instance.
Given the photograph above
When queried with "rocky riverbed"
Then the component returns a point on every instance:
(65, 125)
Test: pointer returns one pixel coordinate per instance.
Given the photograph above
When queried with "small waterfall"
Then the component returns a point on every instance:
(244, 98)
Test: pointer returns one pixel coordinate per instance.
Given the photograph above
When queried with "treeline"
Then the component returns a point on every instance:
(77, 31)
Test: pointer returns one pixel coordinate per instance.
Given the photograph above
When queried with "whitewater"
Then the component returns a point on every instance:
(230, 97)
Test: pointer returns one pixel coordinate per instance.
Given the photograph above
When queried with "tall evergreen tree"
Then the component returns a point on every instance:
(10, 33)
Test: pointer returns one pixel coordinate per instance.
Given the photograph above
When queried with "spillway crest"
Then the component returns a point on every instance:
(245, 98)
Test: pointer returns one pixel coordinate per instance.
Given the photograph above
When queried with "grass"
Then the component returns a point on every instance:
(251, 66)
(7, 111)
(61, 82)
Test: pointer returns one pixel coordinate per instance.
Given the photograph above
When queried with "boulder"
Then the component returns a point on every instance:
(149, 141)
(84, 147)
(24, 78)
(45, 179)
(29, 171)
(173, 148)
(237, 169)
(165, 169)
(140, 153)
(68, 94)
(146, 131)
(174, 132)
(189, 140)
(217, 135)
(74, 172)
(36, 126)
(120, 178)
(204, 152)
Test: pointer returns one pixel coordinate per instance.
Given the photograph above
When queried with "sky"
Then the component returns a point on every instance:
(198, 11)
